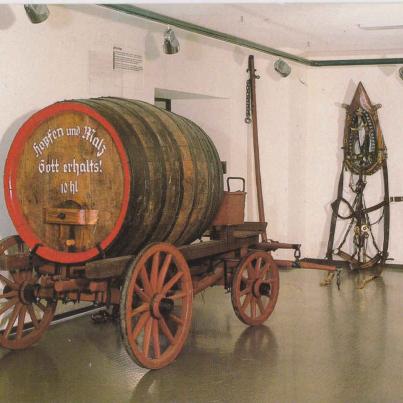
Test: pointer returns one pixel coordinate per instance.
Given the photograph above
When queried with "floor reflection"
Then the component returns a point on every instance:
(32, 374)
(320, 345)
(206, 373)
(357, 326)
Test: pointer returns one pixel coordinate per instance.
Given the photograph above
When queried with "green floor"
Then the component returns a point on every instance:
(320, 345)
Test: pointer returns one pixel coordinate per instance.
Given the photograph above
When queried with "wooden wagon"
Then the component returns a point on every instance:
(108, 197)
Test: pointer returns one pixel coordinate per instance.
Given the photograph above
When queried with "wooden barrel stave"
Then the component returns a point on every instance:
(215, 175)
(190, 222)
(189, 178)
(139, 181)
(193, 226)
(169, 154)
(154, 194)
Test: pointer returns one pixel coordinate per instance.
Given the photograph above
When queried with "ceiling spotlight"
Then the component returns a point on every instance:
(171, 43)
(401, 73)
(282, 67)
(37, 12)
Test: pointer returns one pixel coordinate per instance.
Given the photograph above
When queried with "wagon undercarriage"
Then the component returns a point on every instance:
(113, 176)
(153, 289)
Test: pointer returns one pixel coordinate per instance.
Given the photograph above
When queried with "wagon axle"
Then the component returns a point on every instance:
(161, 306)
(261, 288)
(28, 292)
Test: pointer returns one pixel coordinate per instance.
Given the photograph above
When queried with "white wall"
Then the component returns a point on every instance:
(300, 119)
(51, 61)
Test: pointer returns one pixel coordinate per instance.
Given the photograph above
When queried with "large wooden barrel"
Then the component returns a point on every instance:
(109, 175)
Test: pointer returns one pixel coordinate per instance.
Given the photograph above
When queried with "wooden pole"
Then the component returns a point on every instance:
(252, 75)
(208, 281)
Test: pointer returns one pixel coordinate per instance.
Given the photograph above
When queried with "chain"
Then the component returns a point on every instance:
(248, 102)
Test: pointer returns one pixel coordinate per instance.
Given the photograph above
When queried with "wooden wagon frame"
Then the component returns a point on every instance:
(153, 289)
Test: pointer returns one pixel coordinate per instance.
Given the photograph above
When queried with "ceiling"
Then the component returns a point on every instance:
(309, 30)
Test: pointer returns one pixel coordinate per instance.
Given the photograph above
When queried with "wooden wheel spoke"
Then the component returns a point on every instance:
(12, 320)
(146, 281)
(165, 329)
(141, 293)
(260, 305)
(41, 306)
(21, 321)
(246, 302)
(245, 291)
(172, 282)
(8, 282)
(164, 270)
(142, 308)
(176, 319)
(16, 275)
(33, 316)
(178, 295)
(257, 266)
(27, 274)
(20, 247)
(264, 271)
(147, 336)
(140, 324)
(154, 271)
(8, 294)
(253, 307)
(8, 305)
(156, 339)
(9, 243)
(251, 271)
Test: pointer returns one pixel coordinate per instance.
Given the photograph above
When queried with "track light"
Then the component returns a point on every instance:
(171, 43)
(282, 67)
(401, 73)
(37, 12)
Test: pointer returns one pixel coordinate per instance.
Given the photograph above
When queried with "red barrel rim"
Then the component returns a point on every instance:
(10, 178)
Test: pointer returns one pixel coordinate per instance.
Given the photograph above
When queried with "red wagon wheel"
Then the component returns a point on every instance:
(156, 305)
(19, 304)
(255, 288)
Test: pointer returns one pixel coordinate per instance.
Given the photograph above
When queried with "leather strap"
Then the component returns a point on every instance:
(358, 214)
(335, 209)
